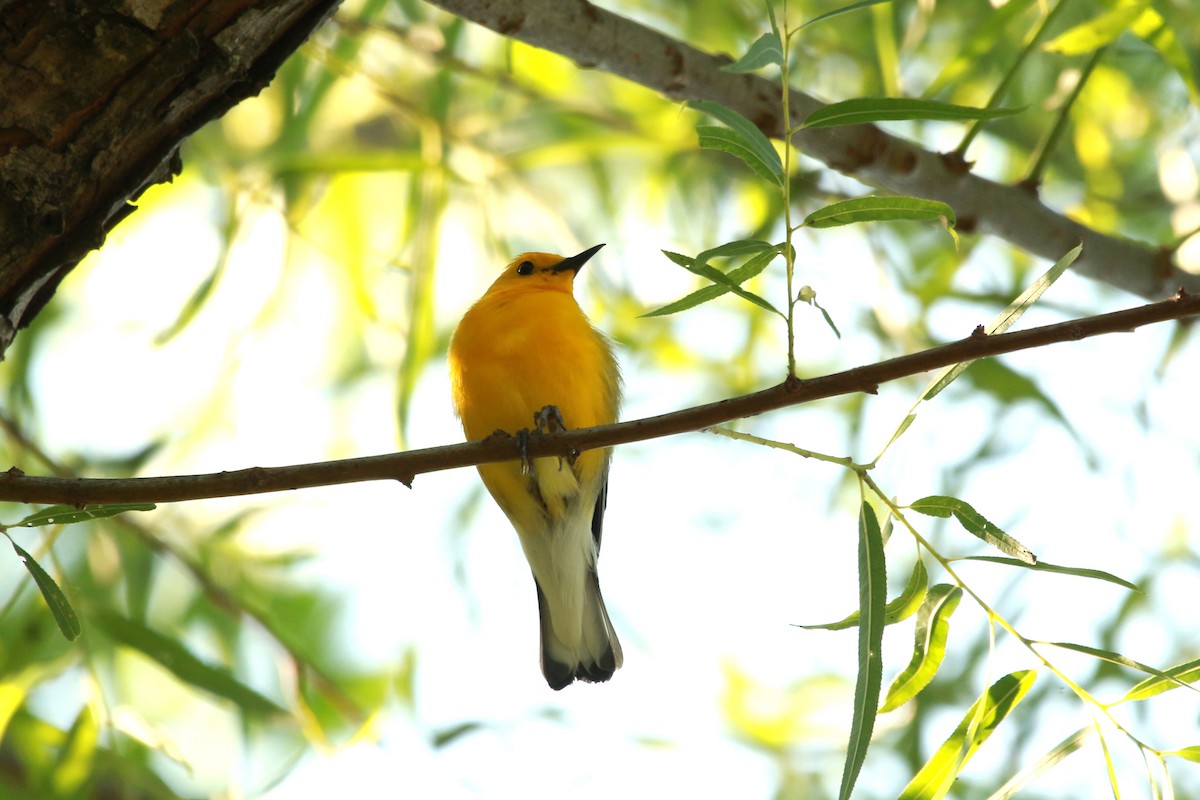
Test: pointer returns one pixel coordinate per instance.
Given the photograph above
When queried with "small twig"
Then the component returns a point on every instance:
(15, 485)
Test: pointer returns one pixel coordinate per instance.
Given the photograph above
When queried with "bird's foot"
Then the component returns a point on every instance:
(550, 420)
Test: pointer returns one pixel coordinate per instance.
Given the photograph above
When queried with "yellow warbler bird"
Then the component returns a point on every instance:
(525, 352)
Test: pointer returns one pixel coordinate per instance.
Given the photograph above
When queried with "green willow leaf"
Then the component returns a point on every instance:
(938, 774)
(929, 646)
(73, 766)
(1038, 768)
(447, 736)
(872, 593)
(898, 610)
(975, 523)
(1101, 30)
(722, 282)
(1043, 566)
(1007, 318)
(714, 137)
(766, 50)
(177, 659)
(1187, 672)
(1158, 27)
(1124, 661)
(59, 605)
(67, 515)
(837, 12)
(749, 136)
(1190, 753)
(882, 109)
(880, 209)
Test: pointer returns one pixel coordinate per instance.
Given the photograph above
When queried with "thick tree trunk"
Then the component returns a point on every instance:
(95, 99)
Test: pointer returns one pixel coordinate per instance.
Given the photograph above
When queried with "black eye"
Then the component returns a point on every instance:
(525, 268)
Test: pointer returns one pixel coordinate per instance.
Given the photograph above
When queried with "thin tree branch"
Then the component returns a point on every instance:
(218, 595)
(599, 39)
(403, 467)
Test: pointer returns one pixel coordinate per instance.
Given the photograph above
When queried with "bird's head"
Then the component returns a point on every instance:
(542, 271)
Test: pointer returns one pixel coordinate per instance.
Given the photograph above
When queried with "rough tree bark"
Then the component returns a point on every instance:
(95, 99)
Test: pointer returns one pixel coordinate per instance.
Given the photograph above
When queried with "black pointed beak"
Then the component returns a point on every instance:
(575, 263)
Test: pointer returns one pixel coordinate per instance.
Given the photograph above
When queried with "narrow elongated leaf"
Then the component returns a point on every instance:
(722, 282)
(881, 109)
(727, 140)
(447, 736)
(975, 523)
(1158, 27)
(60, 607)
(929, 646)
(1087, 37)
(903, 607)
(751, 137)
(1190, 753)
(766, 50)
(934, 779)
(837, 12)
(1030, 773)
(1007, 318)
(812, 301)
(872, 593)
(73, 766)
(1124, 661)
(180, 661)
(1187, 672)
(1043, 566)
(66, 515)
(880, 209)
(738, 247)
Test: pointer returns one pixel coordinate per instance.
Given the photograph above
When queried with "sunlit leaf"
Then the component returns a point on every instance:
(1187, 672)
(980, 39)
(1099, 31)
(975, 523)
(1124, 661)
(1043, 566)
(1007, 318)
(1163, 27)
(929, 646)
(872, 594)
(1190, 753)
(938, 774)
(1044, 764)
(880, 209)
(73, 766)
(903, 607)
(882, 109)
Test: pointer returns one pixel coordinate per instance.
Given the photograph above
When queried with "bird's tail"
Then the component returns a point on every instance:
(596, 655)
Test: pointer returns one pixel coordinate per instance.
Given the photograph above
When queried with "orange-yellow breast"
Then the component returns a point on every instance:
(523, 346)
